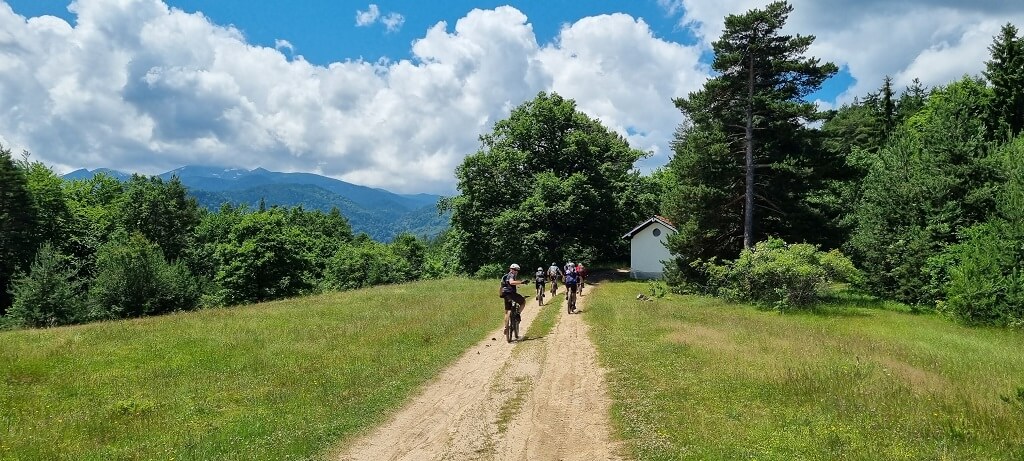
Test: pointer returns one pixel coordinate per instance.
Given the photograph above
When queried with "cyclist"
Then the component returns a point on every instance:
(508, 292)
(540, 279)
(553, 274)
(569, 267)
(582, 273)
(571, 280)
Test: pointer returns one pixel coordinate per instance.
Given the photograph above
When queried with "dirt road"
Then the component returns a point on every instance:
(540, 399)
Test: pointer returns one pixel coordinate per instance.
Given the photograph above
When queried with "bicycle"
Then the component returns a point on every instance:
(540, 293)
(514, 317)
(571, 305)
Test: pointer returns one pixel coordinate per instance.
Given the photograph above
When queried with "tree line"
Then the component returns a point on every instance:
(923, 191)
(77, 251)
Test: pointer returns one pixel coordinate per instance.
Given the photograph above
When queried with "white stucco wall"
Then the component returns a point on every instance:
(647, 251)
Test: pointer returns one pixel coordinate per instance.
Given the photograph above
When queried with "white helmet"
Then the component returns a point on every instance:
(514, 266)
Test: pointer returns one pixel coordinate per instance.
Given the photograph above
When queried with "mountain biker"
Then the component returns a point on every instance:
(582, 273)
(508, 292)
(571, 280)
(569, 267)
(539, 280)
(553, 274)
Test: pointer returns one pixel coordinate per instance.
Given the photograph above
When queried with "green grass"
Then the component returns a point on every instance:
(548, 315)
(281, 380)
(697, 378)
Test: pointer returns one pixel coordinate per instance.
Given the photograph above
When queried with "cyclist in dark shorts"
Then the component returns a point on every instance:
(508, 292)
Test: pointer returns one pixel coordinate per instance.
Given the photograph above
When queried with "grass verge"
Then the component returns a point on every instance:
(697, 378)
(281, 380)
(546, 318)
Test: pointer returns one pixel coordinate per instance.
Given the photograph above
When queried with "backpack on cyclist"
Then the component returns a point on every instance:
(571, 277)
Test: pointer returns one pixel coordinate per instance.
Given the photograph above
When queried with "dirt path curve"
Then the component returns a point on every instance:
(540, 399)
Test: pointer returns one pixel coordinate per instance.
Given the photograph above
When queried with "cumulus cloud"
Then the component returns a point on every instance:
(138, 86)
(933, 40)
(368, 17)
(392, 21)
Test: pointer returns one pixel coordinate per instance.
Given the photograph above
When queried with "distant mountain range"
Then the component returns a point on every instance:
(380, 213)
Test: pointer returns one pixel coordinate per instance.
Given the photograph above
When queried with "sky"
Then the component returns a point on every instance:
(395, 94)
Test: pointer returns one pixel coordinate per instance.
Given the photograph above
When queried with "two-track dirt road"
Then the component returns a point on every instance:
(540, 399)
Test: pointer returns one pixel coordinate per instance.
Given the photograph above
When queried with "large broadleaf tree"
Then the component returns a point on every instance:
(549, 183)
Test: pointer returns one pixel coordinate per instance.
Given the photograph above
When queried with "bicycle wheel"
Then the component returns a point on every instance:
(514, 330)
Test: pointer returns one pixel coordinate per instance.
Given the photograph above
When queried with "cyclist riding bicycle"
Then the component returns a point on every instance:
(508, 292)
(571, 280)
(582, 273)
(539, 280)
(569, 267)
(553, 275)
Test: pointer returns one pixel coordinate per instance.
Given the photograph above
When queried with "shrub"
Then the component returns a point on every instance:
(779, 275)
(49, 295)
(133, 280)
(366, 264)
(262, 259)
(490, 271)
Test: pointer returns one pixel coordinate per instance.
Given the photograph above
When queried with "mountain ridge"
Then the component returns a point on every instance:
(380, 213)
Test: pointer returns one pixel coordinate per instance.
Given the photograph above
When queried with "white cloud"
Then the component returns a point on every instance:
(933, 40)
(284, 45)
(137, 86)
(368, 17)
(620, 73)
(393, 21)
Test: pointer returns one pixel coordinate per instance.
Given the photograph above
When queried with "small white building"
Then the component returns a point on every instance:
(647, 247)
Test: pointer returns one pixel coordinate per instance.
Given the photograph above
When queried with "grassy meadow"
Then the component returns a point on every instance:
(280, 380)
(699, 378)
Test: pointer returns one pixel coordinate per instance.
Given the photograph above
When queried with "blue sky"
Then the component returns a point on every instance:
(398, 99)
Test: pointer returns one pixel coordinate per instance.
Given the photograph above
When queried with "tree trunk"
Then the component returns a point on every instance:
(748, 212)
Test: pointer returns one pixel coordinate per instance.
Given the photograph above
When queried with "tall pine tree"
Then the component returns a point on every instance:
(1005, 72)
(746, 145)
(18, 224)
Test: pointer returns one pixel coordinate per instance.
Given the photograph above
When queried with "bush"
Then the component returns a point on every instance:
(49, 295)
(778, 275)
(263, 259)
(134, 280)
(366, 264)
(490, 271)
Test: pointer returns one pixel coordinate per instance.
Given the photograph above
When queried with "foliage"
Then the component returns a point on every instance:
(134, 280)
(441, 259)
(162, 211)
(18, 218)
(491, 271)
(548, 182)
(986, 280)
(751, 116)
(933, 179)
(50, 294)
(262, 259)
(366, 264)
(1005, 71)
(780, 275)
